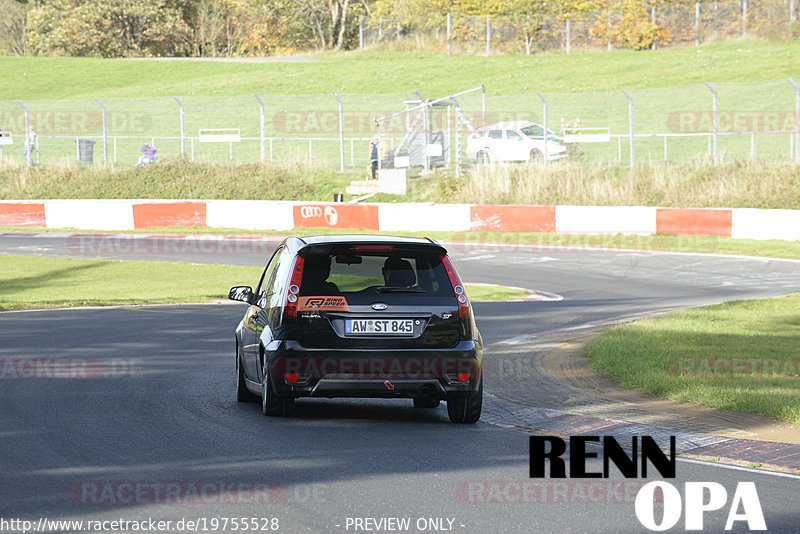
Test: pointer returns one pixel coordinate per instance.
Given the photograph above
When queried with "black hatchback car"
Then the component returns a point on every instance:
(359, 316)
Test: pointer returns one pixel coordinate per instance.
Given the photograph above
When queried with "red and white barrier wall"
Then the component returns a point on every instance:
(276, 215)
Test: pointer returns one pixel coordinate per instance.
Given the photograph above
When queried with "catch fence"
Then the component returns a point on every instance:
(718, 121)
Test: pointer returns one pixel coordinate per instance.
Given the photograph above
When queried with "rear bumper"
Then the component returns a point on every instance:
(298, 371)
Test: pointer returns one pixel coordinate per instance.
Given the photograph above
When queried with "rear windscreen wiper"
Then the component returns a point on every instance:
(398, 289)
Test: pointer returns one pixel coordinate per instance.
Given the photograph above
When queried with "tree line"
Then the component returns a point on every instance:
(213, 28)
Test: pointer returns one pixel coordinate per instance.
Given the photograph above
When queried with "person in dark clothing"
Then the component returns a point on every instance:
(398, 272)
(316, 270)
(377, 153)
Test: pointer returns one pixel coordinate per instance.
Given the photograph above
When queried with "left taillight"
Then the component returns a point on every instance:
(290, 304)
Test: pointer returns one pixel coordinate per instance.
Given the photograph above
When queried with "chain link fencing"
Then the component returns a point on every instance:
(718, 122)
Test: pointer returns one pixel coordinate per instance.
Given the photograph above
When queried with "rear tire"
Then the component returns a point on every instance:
(271, 404)
(242, 393)
(426, 402)
(466, 409)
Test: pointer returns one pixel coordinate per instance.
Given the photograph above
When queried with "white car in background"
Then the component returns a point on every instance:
(514, 141)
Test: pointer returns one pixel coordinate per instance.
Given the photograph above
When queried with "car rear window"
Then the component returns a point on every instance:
(373, 272)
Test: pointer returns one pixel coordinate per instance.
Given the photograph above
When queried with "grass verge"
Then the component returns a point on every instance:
(692, 184)
(740, 355)
(187, 180)
(34, 282)
(698, 183)
(541, 243)
(173, 179)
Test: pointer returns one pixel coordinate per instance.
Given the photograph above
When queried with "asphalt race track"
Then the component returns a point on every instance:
(151, 429)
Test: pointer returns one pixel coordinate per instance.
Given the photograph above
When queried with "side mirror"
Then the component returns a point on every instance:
(242, 294)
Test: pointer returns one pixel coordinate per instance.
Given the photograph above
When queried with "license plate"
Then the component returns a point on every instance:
(379, 327)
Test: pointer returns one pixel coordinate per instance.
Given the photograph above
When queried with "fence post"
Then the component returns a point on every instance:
(544, 125)
(796, 120)
(697, 23)
(360, 33)
(483, 104)
(29, 156)
(341, 132)
(488, 35)
(449, 24)
(105, 131)
(183, 129)
(458, 141)
(568, 36)
(744, 19)
(426, 126)
(262, 129)
(653, 21)
(716, 125)
(792, 18)
(630, 124)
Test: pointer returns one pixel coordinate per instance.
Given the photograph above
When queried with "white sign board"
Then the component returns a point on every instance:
(392, 181)
(434, 150)
(401, 162)
(6, 138)
(230, 135)
(588, 135)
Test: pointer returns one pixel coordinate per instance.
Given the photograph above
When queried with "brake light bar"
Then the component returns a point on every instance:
(373, 248)
(290, 306)
(458, 288)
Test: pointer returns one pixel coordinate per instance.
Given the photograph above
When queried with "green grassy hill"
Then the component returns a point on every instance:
(43, 78)
(218, 94)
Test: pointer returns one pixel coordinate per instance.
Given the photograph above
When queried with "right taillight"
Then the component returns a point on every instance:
(458, 288)
(290, 305)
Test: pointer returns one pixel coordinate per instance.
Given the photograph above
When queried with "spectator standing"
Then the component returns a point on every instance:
(377, 153)
(29, 145)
